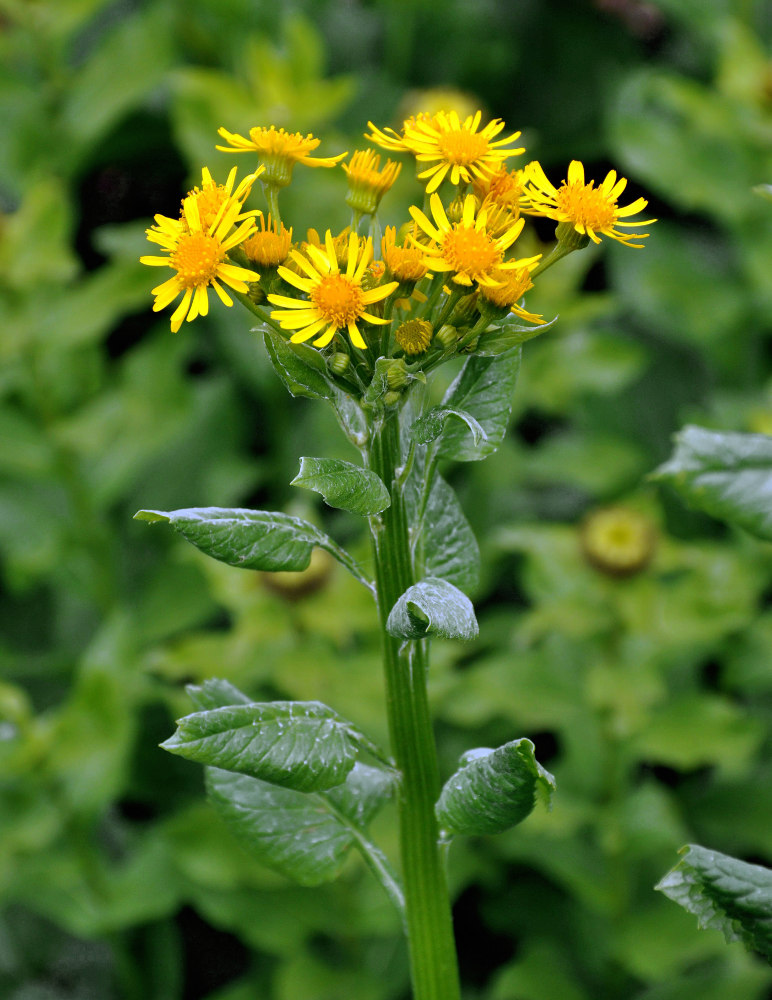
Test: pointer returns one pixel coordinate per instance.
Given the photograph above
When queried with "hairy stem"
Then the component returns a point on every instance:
(433, 963)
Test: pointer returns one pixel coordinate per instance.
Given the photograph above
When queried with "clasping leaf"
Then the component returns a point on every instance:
(343, 485)
(432, 607)
(493, 790)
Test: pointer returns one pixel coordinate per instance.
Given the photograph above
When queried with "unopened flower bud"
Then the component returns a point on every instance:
(618, 541)
(338, 363)
(396, 375)
(390, 398)
(446, 336)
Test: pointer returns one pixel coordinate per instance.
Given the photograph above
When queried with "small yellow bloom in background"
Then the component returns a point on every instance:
(335, 300)
(278, 151)
(268, 246)
(340, 243)
(618, 541)
(367, 184)
(503, 189)
(506, 295)
(405, 263)
(211, 197)
(466, 248)
(199, 257)
(590, 210)
(454, 148)
(414, 336)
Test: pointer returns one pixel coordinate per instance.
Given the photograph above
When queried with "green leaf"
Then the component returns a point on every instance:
(483, 389)
(300, 745)
(343, 485)
(252, 539)
(447, 546)
(724, 893)
(432, 607)
(493, 790)
(306, 837)
(429, 427)
(216, 692)
(302, 369)
(727, 475)
(508, 334)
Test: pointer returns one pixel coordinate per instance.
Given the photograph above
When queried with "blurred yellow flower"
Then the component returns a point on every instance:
(335, 299)
(590, 210)
(268, 246)
(211, 197)
(199, 257)
(414, 336)
(466, 248)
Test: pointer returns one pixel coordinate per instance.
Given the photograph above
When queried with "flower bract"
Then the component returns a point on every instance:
(334, 299)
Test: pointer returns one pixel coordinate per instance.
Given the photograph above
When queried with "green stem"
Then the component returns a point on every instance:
(433, 963)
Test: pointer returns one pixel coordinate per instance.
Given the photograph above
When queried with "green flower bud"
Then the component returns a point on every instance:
(338, 363)
(446, 336)
(396, 375)
(391, 398)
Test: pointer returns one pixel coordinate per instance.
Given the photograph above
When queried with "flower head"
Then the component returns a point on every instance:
(198, 255)
(453, 148)
(278, 151)
(405, 263)
(211, 197)
(618, 541)
(268, 246)
(414, 336)
(466, 248)
(590, 210)
(367, 184)
(511, 288)
(335, 299)
(503, 188)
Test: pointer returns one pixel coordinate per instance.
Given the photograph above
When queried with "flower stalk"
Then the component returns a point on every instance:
(433, 962)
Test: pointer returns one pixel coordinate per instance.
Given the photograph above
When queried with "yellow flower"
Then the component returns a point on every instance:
(466, 248)
(452, 147)
(199, 257)
(335, 299)
(211, 197)
(504, 189)
(589, 209)
(278, 151)
(268, 246)
(618, 541)
(506, 295)
(414, 336)
(404, 263)
(366, 183)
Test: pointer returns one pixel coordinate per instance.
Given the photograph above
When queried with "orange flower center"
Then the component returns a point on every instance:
(338, 300)
(268, 248)
(470, 250)
(209, 203)
(587, 205)
(196, 259)
(462, 147)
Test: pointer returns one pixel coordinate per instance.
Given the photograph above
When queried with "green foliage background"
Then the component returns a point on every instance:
(649, 698)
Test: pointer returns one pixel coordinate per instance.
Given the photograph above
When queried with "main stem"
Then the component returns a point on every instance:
(433, 963)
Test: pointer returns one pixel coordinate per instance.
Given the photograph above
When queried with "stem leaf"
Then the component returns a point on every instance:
(215, 692)
(343, 485)
(447, 546)
(727, 475)
(483, 389)
(300, 745)
(724, 893)
(306, 837)
(510, 333)
(432, 607)
(429, 427)
(252, 539)
(493, 790)
(302, 369)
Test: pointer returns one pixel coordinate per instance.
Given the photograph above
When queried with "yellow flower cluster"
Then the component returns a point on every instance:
(454, 267)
